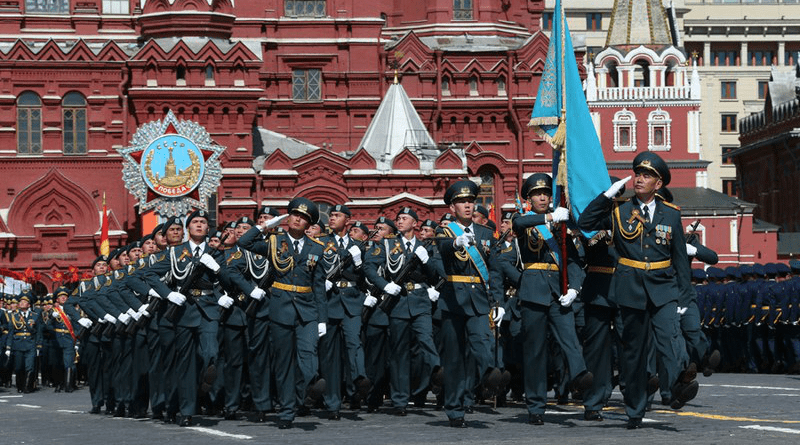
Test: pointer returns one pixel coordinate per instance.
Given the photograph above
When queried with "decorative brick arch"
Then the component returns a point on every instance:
(53, 200)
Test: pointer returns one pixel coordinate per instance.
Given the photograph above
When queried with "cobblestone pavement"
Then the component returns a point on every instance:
(730, 408)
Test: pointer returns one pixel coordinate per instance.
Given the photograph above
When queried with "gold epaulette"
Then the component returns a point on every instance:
(318, 241)
(391, 235)
(669, 204)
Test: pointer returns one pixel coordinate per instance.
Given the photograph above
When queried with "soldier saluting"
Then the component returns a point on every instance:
(652, 274)
(298, 308)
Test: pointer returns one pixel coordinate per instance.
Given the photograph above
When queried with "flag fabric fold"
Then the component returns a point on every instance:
(579, 165)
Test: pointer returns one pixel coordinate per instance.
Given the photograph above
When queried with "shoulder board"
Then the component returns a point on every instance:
(391, 235)
(621, 200)
(669, 204)
(445, 233)
(75, 291)
(507, 249)
(236, 255)
(161, 257)
(317, 241)
(483, 225)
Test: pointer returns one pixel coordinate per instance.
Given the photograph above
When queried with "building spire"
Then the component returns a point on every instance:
(639, 22)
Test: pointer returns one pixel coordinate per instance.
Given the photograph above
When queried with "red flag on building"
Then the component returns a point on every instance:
(104, 245)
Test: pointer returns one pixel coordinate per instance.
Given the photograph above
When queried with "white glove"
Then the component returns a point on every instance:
(143, 308)
(274, 222)
(130, 312)
(616, 187)
(85, 322)
(177, 298)
(225, 301)
(560, 214)
(392, 288)
(109, 318)
(322, 328)
(433, 294)
(258, 294)
(209, 262)
(682, 310)
(464, 240)
(38, 352)
(497, 314)
(153, 293)
(422, 254)
(102, 320)
(8, 353)
(328, 285)
(55, 313)
(124, 318)
(691, 250)
(370, 301)
(355, 252)
(136, 316)
(566, 300)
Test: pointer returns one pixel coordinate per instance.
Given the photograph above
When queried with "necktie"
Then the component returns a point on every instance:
(197, 251)
(408, 248)
(296, 245)
(466, 230)
(646, 213)
(341, 243)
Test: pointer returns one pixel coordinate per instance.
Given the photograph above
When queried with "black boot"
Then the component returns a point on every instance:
(20, 382)
(68, 380)
(30, 380)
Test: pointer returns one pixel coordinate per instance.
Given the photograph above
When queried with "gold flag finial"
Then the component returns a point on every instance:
(395, 77)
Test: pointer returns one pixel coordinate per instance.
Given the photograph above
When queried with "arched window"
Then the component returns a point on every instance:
(73, 109)
(462, 9)
(501, 86)
(445, 86)
(29, 124)
(624, 131)
(486, 191)
(473, 86)
(658, 126)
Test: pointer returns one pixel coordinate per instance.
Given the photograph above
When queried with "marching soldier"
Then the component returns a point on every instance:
(543, 303)
(24, 342)
(192, 332)
(410, 314)
(298, 309)
(62, 323)
(652, 274)
(342, 262)
(473, 285)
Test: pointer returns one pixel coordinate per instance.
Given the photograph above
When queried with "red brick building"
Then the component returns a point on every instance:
(289, 87)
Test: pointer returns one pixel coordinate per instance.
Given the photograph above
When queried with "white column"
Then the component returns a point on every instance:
(781, 52)
(743, 54)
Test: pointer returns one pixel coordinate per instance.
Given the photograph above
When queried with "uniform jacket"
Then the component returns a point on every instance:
(24, 331)
(343, 300)
(660, 240)
(292, 269)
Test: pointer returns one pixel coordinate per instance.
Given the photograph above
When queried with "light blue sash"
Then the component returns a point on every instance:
(474, 255)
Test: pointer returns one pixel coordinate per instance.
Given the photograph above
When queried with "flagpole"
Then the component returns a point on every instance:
(563, 158)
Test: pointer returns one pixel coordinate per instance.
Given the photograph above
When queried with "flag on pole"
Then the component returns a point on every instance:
(561, 116)
(104, 245)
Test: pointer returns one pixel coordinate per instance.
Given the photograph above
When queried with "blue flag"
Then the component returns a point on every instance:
(586, 174)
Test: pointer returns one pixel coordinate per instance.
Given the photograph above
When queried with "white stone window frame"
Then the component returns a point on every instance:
(659, 118)
(624, 119)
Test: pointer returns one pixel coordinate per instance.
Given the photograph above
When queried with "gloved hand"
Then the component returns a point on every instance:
(497, 314)
(682, 310)
(38, 352)
(566, 300)
(85, 322)
(177, 298)
(55, 313)
(355, 252)
(209, 262)
(616, 187)
(109, 318)
(322, 328)
(130, 312)
(274, 222)
(560, 214)
(433, 295)
(153, 293)
(328, 285)
(258, 294)
(370, 301)
(464, 240)
(8, 353)
(422, 254)
(124, 318)
(691, 250)
(225, 301)
(136, 316)
(392, 288)
(143, 308)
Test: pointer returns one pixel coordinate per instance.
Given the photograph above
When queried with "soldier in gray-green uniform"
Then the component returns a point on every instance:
(651, 276)
(24, 342)
(298, 309)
